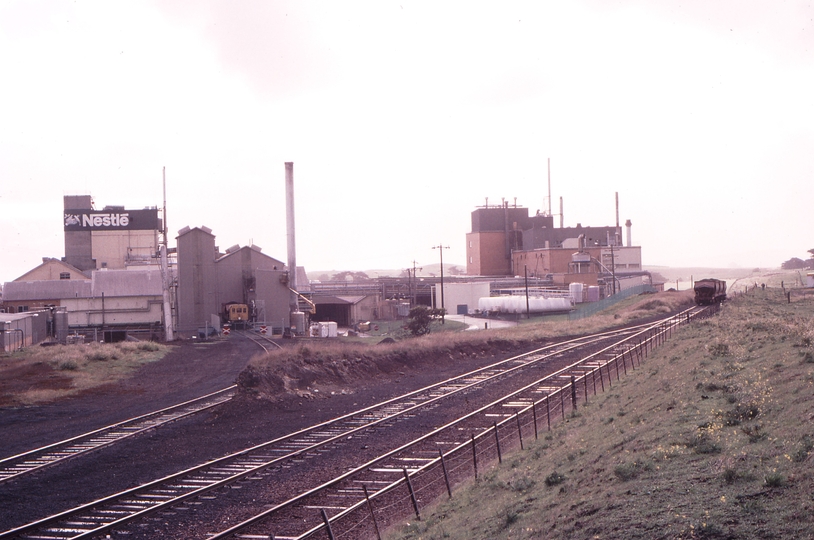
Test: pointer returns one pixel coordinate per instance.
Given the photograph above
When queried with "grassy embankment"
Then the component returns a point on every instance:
(40, 374)
(711, 439)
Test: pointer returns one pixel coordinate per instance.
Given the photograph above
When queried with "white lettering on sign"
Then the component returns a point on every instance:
(105, 220)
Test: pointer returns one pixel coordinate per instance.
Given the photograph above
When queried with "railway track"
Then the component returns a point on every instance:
(13, 467)
(264, 342)
(115, 511)
(462, 442)
(112, 514)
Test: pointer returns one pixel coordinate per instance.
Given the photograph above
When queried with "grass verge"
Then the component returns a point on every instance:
(711, 439)
(40, 374)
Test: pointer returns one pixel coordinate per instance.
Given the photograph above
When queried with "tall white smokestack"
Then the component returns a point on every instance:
(292, 245)
(562, 216)
(628, 224)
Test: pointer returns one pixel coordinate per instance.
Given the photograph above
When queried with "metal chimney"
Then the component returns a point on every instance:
(562, 216)
(628, 224)
(292, 245)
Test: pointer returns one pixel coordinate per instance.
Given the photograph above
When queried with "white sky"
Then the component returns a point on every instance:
(402, 117)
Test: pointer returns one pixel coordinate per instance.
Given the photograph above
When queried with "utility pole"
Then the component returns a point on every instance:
(165, 271)
(441, 249)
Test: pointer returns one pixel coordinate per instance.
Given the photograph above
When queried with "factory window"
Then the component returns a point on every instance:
(64, 275)
(470, 260)
(22, 309)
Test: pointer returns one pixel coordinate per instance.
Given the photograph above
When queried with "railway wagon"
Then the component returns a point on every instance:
(710, 291)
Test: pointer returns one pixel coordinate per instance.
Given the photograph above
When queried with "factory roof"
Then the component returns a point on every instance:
(110, 283)
(54, 289)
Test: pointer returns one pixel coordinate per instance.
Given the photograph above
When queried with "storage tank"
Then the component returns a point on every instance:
(517, 304)
(298, 322)
(593, 293)
(576, 292)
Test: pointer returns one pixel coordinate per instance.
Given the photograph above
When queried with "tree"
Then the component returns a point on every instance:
(421, 318)
(794, 264)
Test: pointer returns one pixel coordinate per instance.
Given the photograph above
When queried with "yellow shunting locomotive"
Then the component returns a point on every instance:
(236, 315)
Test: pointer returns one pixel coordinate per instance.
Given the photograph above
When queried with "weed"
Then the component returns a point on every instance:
(522, 484)
(718, 350)
(731, 476)
(774, 480)
(554, 479)
(68, 365)
(703, 444)
(99, 356)
(755, 433)
(510, 517)
(805, 448)
(629, 471)
(808, 358)
(741, 413)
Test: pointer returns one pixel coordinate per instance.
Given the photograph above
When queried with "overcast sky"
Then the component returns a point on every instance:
(402, 117)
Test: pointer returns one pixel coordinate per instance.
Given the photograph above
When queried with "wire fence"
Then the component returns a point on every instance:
(591, 308)
(420, 486)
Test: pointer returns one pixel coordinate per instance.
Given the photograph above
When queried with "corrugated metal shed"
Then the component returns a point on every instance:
(120, 283)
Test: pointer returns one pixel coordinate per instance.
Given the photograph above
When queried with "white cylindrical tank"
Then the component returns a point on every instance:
(593, 293)
(298, 322)
(576, 292)
(517, 304)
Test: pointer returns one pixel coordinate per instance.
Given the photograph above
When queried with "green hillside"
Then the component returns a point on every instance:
(712, 438)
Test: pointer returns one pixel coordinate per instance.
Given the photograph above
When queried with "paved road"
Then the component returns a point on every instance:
(478, 324)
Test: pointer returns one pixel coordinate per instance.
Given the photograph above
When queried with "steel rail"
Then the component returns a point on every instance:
(13, 467)
(257, 340)
(228, 533)
(675, 320)
(156, 504)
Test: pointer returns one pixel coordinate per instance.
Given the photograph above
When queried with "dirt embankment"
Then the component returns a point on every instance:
(319, 368)
(323, 369)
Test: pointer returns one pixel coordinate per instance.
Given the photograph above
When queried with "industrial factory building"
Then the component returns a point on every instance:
(507, 241)
(112, 238)
(110, 285)
(208, 280)
(119, 278)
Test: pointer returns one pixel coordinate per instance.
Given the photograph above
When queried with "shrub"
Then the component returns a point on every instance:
(68, 365)
(774, 480)
(554, 479)
(718, 349)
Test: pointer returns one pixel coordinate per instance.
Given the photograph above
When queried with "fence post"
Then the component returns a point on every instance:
(534, 415)
(616, 363)
(474, 457)
(601, 377)
(548, 412)
(573, 393)
(562, 402)
(585, 386)
(446, 476)
(372, 514)
(519, 430)
(412, 493)
(497, 441)
(327, 524)
(610, 377)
